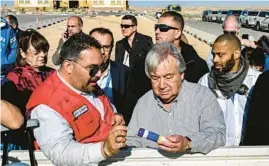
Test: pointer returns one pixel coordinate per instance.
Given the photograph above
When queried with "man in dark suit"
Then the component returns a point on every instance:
(257, 123)
(133, 45)
(114, 75)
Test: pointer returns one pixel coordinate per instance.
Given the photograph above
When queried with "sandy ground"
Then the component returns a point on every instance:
(145, 26)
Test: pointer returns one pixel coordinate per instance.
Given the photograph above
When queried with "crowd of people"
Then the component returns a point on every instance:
(85, 106)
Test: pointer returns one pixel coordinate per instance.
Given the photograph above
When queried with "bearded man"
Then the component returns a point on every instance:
(231, 80)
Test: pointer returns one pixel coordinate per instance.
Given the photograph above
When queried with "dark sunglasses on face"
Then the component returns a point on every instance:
(126, 26)
(164, 27)
(229, 32)
(93, 69)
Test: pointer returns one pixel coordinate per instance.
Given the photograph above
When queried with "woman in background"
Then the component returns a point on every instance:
(31, 69)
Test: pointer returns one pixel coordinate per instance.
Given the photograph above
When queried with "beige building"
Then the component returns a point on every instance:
(42, 5)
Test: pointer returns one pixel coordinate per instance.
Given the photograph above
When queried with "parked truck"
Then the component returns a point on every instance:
(176, 8)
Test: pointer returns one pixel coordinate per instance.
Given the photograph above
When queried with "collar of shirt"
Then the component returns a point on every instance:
(29, 69)
(107, 71)
(102, 81)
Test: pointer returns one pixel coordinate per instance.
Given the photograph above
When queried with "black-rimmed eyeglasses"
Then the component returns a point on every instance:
(106, 47)
(164, 27)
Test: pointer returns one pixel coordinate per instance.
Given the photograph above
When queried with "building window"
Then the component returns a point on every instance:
(95, 2)
(39, 2)
(113, 2)
(21, 1)
(101, 2)
(119, 2)
(27, 1)
(98, 2)
(46, 1)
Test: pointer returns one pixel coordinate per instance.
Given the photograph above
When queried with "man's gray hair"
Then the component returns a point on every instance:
(159, 53)
(237, 21)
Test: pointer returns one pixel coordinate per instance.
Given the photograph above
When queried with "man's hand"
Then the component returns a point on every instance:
(174, 143)
(117, 119)
(64, 36)
(248, 43)
(115, 140)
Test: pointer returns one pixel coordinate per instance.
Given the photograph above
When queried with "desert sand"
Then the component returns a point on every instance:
(145, 26)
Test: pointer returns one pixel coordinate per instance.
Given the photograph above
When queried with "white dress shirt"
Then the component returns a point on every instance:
(126, 59)
(234, 109)
(55, 136)
(105, 83)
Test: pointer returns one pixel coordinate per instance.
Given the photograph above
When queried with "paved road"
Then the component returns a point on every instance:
(26, 20)
(216, 29)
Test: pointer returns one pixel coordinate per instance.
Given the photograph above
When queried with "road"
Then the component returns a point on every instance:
(27, 20)
(213, 28)
(216, 29)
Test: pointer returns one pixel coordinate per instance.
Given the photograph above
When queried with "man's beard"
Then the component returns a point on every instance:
(88, 89)
(227, 68)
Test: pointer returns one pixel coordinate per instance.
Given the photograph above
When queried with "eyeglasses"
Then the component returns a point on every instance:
(106, 47)
(36, 52)
(164, 27)
(126, 26)
(93, 69)
(230, 32)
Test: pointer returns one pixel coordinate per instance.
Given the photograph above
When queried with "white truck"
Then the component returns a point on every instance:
(247, 18)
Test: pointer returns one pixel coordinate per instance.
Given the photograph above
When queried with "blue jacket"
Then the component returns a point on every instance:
(266, 64)
(8, 47)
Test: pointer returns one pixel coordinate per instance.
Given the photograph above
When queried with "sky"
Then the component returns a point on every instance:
(189, 3)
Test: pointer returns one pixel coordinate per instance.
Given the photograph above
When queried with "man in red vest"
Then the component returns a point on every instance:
(78, 125)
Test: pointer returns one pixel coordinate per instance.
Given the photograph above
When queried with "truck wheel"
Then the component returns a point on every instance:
(247, 24)
(258, 26)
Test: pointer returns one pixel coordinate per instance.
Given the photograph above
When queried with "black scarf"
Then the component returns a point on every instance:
(229, 83)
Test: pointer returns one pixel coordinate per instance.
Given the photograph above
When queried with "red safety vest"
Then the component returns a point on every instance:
(82, 116)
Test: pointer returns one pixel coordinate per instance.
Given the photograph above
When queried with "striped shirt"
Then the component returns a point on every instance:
(194, 113)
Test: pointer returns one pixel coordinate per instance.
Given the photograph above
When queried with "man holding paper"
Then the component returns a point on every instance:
(186, 114)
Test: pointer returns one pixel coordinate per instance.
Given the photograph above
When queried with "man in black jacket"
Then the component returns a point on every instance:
(133, 45)
(169, 29)
(257, 124)
(114, 75)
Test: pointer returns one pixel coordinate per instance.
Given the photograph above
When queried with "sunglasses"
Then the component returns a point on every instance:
(93, 69)
(164, 27)
(126, 26)
(229, 32)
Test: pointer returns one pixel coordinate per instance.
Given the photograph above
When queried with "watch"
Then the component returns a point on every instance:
(188, 147)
